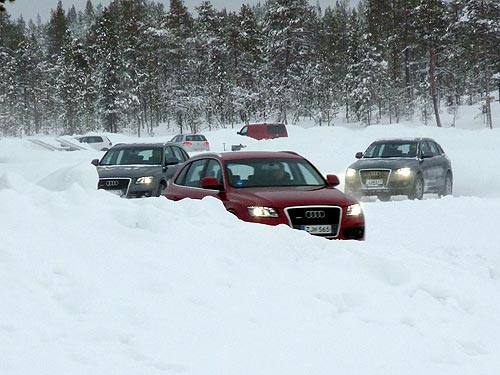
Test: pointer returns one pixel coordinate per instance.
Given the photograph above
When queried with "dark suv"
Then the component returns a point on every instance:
(408, 167)
(138, 169)
(271, 188)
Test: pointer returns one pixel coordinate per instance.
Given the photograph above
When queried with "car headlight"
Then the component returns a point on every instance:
(403, 172)
(259, 211)
(354, 210)
(350, 173)
(144, 180)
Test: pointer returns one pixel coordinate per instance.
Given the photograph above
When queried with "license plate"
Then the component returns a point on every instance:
(317, 229)
(375, 182)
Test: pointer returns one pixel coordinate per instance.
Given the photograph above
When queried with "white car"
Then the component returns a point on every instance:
(97, 142)
(192, 142)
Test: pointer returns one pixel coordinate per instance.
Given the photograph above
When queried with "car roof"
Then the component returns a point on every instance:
(267, 123)
(143, 144)
(403, 139)
(242, 155)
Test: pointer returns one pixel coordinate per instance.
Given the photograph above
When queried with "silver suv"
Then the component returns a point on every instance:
(192, 142)
(138, 169)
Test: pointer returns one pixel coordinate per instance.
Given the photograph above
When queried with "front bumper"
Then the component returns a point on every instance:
(390, 183)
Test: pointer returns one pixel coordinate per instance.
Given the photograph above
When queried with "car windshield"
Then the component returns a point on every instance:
(391, 149)
(271, 172)
(133, 155)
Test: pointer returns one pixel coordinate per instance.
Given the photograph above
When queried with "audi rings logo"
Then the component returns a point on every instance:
(112, 183)
(315, 214)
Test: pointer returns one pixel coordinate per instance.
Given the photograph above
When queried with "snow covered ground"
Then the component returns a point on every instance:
(94, 284)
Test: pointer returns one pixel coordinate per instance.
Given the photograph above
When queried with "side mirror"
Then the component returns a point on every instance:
(172, 161)
(211, 183)
(239, 132)
(332, 180)
(95, 162)
(359, 155)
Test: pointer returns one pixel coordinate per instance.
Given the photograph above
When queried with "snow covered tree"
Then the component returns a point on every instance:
(477, 27)
(289, 51)
(244, 41)
(56, 30)
(430, 19)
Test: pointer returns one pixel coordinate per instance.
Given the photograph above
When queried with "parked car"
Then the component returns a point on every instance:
(192, 142)
(97, 142)
(264, 131)
(408, 167)
(138, 169)
(271, 188)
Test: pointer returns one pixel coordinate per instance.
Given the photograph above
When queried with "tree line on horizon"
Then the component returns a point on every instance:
(133, 64)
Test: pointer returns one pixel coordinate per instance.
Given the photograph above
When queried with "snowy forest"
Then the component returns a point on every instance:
(133, 64)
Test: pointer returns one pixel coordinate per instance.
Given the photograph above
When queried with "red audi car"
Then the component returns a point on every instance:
(271, 188)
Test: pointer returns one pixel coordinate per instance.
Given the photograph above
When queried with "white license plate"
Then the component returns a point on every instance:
(317, 229)
(375, 182)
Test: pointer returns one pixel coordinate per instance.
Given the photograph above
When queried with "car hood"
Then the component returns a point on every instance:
(131, 171)
(391, 163)
(292, 196)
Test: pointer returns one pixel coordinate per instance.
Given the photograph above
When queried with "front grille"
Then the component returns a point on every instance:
(369, 175)
(114, 184)
(299, 217)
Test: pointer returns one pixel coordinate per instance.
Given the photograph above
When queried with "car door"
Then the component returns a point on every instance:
(441, 164)
(429, 155)
(188, 182)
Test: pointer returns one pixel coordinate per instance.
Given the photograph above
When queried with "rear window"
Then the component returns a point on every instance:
(196, 138)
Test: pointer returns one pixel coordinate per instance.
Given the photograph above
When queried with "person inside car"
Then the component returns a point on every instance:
(279, 176)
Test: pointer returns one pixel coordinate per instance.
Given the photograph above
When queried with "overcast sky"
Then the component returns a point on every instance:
(31, 8)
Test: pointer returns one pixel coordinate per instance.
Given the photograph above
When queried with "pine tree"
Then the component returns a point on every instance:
(56, 30)
(289, 50)
(429, 23)
(244, 42)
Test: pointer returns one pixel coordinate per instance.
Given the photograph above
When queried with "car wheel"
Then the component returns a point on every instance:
(417, 191)
(448, 185)
(384, 197)
(161, 188)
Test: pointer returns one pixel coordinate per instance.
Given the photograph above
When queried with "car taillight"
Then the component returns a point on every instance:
(188, 143)
(205, 143)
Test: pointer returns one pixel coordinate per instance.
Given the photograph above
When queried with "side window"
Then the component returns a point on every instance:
(180, 154)
(169, 154)
(194, 173)
(426, 148)
(276, 129)
(244, 131)
(214, 169)
(435, 148)
(181, 178)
